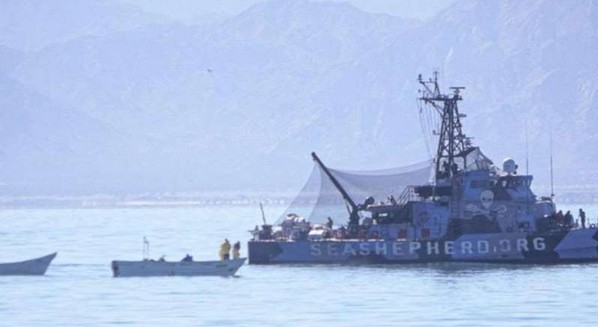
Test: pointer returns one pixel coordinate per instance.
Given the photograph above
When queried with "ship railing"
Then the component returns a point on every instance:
(408, 195)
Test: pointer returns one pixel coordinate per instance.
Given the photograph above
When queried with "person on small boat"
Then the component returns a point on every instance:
(236, 249)
(187, 258)
(225, 250)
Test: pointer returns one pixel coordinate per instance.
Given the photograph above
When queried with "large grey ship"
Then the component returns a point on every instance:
(469, 210)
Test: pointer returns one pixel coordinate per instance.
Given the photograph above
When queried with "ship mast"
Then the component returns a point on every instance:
(452, 143)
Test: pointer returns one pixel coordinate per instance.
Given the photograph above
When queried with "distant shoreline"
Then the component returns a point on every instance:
(250, 198)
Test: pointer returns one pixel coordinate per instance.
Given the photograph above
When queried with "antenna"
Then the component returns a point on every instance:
(551, 167)
(526, 150)
(145, 248)
(527, 201)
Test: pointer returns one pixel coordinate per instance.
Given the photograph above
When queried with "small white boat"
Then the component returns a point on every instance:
(30, 267)
(147, 268)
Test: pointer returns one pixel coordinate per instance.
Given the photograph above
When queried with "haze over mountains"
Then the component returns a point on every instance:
(121, 101)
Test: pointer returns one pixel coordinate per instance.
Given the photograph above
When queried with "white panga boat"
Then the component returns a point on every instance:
(36, 266)
(147, 268)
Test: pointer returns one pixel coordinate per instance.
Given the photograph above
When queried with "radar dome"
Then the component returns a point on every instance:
(509, 166)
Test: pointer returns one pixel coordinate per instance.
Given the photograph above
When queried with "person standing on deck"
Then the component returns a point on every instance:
(560, 218)
(569, 219)
(224, 250)
(329, 223)
(582, 218)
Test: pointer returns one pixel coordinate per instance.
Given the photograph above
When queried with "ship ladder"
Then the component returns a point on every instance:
(454, 209)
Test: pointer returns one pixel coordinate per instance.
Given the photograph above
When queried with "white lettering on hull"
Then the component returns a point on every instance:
(483, 246)
(364, 249)
(348, 250)
(381, 248)
(414, 246)
(332, 250)
(522, 244)
(504, 245)
(449, 247)
(431, 248)
(466, 247)
(397, 249)
(539, 244)
(315, 250)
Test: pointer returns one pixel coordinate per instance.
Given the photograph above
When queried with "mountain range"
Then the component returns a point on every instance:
(122, 101)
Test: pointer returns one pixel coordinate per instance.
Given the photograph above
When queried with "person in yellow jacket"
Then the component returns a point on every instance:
(224, 250)
(236, 249)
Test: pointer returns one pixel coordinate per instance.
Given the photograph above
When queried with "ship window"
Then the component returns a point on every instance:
(479, 184)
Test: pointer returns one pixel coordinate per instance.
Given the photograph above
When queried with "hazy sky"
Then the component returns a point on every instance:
(189, 10)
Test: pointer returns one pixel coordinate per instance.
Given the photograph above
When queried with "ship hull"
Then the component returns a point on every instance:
(558, 247)
(150, 268)
(33, 267)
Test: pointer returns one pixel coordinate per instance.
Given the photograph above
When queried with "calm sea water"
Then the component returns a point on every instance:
(78, 289)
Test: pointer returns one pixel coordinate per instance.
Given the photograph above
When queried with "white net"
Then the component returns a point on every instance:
(319, 198)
